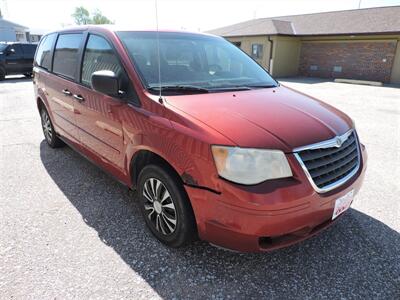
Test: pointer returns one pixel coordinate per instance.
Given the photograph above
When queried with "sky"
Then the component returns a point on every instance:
(193, 15)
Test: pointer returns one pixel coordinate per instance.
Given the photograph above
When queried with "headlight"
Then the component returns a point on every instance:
(250, 166)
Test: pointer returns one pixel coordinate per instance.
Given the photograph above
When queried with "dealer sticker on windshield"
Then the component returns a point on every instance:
(342, 204)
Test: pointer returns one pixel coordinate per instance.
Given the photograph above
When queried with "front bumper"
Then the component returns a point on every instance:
(268, 216)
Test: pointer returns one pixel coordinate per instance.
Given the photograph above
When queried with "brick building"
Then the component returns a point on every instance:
(355, 44)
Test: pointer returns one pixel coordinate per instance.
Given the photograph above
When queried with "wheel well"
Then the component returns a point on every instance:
(40, 103)
(143, 158)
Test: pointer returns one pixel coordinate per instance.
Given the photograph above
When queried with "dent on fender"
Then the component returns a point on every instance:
(192, 182)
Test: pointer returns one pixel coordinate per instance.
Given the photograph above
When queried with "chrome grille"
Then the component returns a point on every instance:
(331, 163)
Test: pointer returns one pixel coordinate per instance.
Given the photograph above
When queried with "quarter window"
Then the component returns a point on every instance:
(98, 56)
(66, 54)
(43, 54)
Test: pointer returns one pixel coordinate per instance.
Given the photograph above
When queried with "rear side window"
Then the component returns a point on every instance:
(29, 50)
(66, 54)
(99, 56)
(43, 54)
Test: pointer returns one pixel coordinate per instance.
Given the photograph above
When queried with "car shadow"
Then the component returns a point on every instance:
(359, 256)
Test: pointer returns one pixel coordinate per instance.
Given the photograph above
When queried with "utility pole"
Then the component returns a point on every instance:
(359, 4)
(4, 8)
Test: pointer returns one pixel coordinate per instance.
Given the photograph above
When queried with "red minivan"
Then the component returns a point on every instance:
(216, 148)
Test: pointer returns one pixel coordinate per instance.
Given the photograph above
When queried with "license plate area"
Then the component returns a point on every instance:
(342, 204)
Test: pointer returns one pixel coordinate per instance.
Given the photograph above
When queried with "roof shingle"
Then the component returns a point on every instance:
(361, 21)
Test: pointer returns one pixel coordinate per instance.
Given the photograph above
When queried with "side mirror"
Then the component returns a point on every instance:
(105, 82)
(10, 51)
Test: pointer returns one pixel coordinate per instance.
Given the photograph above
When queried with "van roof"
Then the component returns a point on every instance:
(115, 28)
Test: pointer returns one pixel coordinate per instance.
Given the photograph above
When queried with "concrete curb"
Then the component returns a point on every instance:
(354, 81)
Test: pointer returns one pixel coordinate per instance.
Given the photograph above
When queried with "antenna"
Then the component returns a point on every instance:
(158, 55)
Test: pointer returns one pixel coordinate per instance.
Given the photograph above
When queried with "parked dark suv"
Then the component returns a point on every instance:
(16, 58)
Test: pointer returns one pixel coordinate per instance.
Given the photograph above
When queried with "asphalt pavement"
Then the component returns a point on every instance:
(68, 230)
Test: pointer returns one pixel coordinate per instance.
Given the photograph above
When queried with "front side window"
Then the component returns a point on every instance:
(43, 54)
(15, 50)
(66, 54)
(194, 60)
(98, 56)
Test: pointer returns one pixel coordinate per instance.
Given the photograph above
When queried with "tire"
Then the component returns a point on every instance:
(28, 75)
(176, 222)
(2, 74)
(48, 130)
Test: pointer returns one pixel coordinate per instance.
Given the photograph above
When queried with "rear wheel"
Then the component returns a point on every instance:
(2, 74)
(48, 130)
(28, 75)
(166, 207)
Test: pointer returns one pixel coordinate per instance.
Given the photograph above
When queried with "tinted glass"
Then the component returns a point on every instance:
(29, 50)
(192, 59)
(43, 54)
(66, 54)
(98, 56)
(3, 47)
(17, 49)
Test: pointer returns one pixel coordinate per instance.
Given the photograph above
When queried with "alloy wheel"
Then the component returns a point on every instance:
(46, 125)
(159, 206)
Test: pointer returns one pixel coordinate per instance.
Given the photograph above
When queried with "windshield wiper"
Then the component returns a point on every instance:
(261, 86)
(243, 87)
(179, 88)
(232, 88)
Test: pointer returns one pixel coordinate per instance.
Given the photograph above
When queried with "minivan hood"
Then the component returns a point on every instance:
(272, 118)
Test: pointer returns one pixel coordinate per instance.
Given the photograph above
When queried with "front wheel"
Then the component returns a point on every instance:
(48, 130)
(166, 207)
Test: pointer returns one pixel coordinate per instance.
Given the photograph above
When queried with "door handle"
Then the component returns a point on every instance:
(79, 98)
(66, 92)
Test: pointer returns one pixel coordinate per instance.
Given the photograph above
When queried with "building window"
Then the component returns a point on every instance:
(237, 44)
(257, 51)
(337, 69)
(20, 37)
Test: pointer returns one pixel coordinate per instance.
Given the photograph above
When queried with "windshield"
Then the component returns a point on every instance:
(190, 61)
(2, 47)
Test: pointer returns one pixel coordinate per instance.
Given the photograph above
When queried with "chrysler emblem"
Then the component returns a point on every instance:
(338, 142)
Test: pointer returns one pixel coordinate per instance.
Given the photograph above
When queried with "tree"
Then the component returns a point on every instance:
(82, 17)
(99, 18)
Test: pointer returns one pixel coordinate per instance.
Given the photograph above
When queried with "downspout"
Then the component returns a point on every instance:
(270, 62)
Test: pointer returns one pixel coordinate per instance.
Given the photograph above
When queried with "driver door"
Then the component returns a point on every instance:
(97, 117)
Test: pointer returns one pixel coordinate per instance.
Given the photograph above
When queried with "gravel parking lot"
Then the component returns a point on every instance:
(68, 230)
